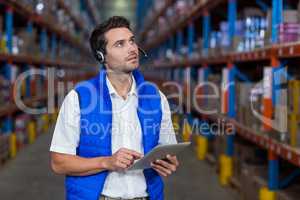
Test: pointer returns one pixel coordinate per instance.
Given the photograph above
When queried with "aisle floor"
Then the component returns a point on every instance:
(28, 177)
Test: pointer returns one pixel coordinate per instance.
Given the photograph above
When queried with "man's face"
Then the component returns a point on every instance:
(121, 50)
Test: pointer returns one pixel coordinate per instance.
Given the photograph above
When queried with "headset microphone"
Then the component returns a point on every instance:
(143, 52)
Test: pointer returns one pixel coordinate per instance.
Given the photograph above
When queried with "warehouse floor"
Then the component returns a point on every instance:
(28, 177)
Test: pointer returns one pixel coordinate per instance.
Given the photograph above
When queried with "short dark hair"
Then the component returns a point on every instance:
(97, 38)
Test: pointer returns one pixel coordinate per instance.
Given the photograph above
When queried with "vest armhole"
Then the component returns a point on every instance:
(79, 99)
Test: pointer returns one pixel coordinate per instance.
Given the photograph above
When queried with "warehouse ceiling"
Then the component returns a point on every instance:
(126, 8)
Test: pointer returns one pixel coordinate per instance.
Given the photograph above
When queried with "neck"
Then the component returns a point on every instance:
(121, 81)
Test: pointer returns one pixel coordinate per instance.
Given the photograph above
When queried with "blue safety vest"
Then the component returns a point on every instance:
(95, 133)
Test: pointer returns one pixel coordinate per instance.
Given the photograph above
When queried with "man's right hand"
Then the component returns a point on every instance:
(122, 159)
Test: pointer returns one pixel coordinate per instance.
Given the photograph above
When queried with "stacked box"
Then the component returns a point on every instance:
(248, 101)
(288, 32)
(215, 48)
(213, 104)
(183, 8)
(158, 5)
(224, 37)
(162, 25)
(251, 33)
(281, 108)
(28, 43)
(4, 90)
(289, 29)
(21, 122)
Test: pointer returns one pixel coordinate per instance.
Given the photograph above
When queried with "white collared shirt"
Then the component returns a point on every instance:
(126, 132)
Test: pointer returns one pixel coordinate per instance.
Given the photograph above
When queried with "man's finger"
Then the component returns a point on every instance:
(127, 156)
(125, 161)
(162, 168)
(136, 154)
(166, 165)
(173, 159)
(162, 173)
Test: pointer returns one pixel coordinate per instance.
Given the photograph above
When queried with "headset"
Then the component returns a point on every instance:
(100, 55)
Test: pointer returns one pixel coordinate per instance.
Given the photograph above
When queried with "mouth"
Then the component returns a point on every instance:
(132, 58)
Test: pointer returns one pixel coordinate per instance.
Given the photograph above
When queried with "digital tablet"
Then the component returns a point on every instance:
(158, 152)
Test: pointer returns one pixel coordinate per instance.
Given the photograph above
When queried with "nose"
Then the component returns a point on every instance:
(132, 47)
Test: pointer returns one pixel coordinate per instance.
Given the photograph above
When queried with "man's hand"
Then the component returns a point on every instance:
(122, 159)
(165, 167)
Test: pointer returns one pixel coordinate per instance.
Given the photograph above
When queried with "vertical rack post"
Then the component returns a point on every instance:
(43, 42)
(8, 122)
(232, 17)
(191, 38)
(43, 48)
(29, 30)
(226, 160)
(9, 29)
(53, 46)
(179, 43)
(139, 10)
(268, 104)
(202, 138)
(206, 32)
(277, 8)
(231, 108)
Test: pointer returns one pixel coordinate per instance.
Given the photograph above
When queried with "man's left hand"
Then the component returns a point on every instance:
(166, 166)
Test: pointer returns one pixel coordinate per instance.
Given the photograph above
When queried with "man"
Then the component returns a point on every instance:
(106, 123)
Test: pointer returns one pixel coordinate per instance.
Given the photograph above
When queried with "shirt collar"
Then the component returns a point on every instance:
(113, 92)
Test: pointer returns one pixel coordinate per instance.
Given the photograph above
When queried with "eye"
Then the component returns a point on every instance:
(132, 41)
(120, 44)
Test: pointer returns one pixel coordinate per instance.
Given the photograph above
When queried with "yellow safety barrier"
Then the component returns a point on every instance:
(54, 116)
(293, 129)
(12, 145)
(186, 135)
(295, 86)
(202, 147)
(175, 120)
(45, 118)
(31, 132)
(226, 169)
(266, 194)
(23, 88)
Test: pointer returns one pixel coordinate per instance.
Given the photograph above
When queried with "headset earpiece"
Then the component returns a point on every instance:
(100, 56)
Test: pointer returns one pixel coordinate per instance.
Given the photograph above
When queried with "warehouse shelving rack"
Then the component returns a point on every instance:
(155, 18)
(91, 10)
(200, 7)
(50, 35)
(271, 54)
(33, 17)
(11, 108)
(77, 21)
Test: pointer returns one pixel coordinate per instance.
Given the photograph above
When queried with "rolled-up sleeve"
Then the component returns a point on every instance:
(67, 129)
